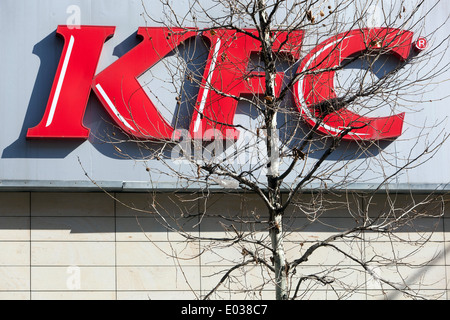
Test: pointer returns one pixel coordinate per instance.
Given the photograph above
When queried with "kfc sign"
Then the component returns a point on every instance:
(133, 111)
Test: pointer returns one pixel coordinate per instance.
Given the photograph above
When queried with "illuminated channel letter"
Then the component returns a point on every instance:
(117, 86)
(317, 87)
(121, 94)
(226, 77)
(63, 117)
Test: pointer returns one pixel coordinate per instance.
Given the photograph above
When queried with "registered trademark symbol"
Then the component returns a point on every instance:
(421, 44)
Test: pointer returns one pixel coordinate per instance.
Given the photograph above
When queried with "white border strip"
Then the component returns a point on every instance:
(112, 107)
(60, 82)
(207, 85)
(300, 90)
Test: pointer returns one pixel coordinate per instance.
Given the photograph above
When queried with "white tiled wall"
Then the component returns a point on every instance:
(89, 246)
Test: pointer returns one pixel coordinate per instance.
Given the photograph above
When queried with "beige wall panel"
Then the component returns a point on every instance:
(71, 204)
(431, 253)
(72, 229)
(15, 295)
(156, 204)
(418, 294)
(14, 204)
(157, 253)
(72, 278)
(73, 253)
(14, 278)
(155, 229)
(158, 295)
(232, 295)
(328, 256)
(241, 279)
(313, 205)
(73, 295)
(14, 253)
(214, 254)
(426, 229)
(323, 294)
(14, 228)
(158, 278)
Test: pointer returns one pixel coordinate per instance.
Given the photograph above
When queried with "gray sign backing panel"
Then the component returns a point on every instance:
(29, 55)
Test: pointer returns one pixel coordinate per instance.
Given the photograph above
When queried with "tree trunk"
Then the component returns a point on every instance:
(279, 259)
(270, 113)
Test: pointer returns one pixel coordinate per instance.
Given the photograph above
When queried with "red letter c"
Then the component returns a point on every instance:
(317, 87)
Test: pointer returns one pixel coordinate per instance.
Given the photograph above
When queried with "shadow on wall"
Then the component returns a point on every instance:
(49, 52)
(105, 135)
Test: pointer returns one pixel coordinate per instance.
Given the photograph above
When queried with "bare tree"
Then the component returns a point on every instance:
(301, 149)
